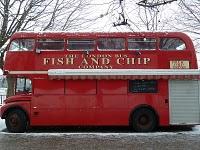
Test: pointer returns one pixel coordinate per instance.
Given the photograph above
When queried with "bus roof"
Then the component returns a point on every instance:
(62, 34)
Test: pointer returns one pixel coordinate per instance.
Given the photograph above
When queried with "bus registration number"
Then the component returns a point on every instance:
(179, 64)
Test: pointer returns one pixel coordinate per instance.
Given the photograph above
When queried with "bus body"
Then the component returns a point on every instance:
(144, 80)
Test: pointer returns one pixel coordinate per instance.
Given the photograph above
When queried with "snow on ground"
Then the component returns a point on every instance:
(2, 124)
(195, 130)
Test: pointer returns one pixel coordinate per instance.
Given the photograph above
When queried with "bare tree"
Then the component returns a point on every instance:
(126, 15)
(188, 16)
(188, 19)
(39, 15)
(150, 13)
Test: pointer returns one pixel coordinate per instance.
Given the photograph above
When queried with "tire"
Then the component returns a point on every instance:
(16, 121)
(144, 120)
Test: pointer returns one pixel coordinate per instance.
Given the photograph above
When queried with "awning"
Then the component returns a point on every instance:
(124, 74)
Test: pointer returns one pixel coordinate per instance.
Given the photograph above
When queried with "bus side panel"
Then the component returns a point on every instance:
(158, 101)
(80, 101)
(48, 106)
(112, 107)
(176, 56)
(96, 102)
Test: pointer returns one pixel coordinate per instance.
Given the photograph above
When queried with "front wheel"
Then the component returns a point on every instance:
(16, 121)
(144, 120)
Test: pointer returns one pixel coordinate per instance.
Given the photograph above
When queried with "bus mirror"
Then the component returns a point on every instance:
(38, 51)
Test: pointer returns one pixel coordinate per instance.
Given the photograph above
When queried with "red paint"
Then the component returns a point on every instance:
(91, 102)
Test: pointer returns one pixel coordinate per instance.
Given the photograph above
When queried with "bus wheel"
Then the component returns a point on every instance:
(16, 121)
(144, 120)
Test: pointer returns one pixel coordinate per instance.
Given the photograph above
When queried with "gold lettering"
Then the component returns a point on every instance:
(105, 61)
(117, 55)
(53, 61)
(146, 60)
(120, 61)
(139, 61)
(95, 60)
(46, 61)
(84, 62)
(69, 61)
(60, 61)
(71, 56)
(132, 61)
(128, 61)
(94, 67)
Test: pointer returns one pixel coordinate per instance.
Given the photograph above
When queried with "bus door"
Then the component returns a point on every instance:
(48, 106)
(80, 99)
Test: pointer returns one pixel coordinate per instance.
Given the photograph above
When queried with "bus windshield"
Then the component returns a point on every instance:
(22, 45)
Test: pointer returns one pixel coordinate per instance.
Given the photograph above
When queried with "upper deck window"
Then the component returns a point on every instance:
(50, 44)
(81, 44)
(22, 45)
(111, 44)
(171, 44)
(141, 43)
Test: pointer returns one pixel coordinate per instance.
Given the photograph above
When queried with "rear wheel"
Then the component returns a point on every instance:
(16, 121)
(144, 120)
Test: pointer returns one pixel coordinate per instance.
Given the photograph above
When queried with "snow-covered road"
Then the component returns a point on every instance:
(99, 139)
(195, 130)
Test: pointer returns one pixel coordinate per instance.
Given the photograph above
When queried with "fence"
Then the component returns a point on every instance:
(2, 97)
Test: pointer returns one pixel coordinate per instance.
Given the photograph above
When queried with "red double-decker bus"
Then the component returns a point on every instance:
(144, 80)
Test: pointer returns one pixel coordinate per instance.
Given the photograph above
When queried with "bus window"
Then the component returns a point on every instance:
(50, 44)
(22, 45)
(81, 44)
(143, 86)
(141, 43)
(171, 44)
(23, 85)
(111, 44)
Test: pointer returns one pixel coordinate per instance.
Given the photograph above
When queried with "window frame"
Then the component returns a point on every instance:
(169, 50)
(133, 90)
(80, 50)
(111, 50)
(49, 50)
(156, 43)
(25, 85)
(31, 50)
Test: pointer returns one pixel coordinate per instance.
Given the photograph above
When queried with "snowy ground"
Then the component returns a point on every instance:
(100, 139)
(195, 130)
(117, 139)
(2, 125)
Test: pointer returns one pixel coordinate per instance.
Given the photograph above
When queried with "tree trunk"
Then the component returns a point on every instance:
(11, 86)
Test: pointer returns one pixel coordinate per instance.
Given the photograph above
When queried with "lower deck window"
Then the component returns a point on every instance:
(23, 85)
(143, 86)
